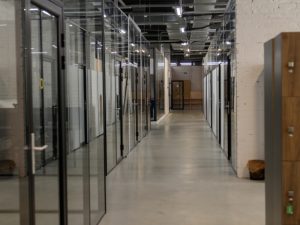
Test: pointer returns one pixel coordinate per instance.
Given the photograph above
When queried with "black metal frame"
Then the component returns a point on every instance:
(154, 85)
(206, 97)
(147, 108)
(121, 108)
(56, 8)
(211, 100)
(104, 104)
(136, 105)
(229, 99)
(172, 100)
(220, 105)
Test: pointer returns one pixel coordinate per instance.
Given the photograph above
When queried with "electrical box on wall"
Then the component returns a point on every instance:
(282, 129)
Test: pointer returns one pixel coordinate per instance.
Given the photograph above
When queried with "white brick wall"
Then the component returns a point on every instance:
(257, 22)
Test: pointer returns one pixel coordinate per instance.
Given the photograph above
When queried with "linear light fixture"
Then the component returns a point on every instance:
(184, 44)
(46, 13)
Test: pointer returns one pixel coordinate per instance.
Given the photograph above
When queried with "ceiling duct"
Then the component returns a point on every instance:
(200, 23)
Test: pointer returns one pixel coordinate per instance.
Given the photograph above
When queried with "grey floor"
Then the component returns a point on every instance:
(179, 176)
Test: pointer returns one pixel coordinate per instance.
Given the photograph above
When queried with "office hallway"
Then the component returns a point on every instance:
(178, 175)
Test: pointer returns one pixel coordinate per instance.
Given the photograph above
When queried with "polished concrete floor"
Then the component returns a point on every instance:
(178, 175)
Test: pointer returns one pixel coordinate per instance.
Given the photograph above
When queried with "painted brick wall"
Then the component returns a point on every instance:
(257, 21)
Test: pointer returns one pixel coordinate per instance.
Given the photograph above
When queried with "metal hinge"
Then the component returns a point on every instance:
(63, 62)
(62, 40)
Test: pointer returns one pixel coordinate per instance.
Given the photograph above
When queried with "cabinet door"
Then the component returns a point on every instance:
(290, 64)
(291, 128)
(291, 186)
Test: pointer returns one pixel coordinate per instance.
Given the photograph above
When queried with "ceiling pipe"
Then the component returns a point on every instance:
(171, 22)
(172, 5)
(201, 28)
(122, 3)
(166, 41)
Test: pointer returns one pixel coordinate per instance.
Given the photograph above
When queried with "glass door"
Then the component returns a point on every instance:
(119, 147)
(126, 107)
(133, 108)
(144, 104)
(46, 132)
(138, 99)
(13, 156)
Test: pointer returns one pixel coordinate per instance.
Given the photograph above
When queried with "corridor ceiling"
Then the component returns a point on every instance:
(189, 31)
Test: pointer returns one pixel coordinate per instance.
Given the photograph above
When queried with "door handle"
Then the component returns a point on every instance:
(34, 149)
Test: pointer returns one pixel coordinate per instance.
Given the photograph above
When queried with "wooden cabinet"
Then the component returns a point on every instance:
(282, 129)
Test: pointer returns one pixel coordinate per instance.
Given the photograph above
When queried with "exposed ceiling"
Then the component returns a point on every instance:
(160, 23)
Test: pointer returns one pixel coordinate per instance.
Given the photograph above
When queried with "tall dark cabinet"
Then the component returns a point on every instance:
(282, 129)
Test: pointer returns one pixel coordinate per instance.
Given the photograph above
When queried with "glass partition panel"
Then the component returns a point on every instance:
(134, 57)
(96, 137)
(111, 49)
(86, 174)
(116, 48)
(75, 55)
(160, 84)
(145, 76)
(13, 172)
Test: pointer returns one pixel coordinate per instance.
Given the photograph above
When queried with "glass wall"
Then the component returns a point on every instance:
(126, 62)
(222, 52)
(116, 44)
(85, 110)
(159, 84)
(134, 73)
(75, 55)
(33, 196)
(145, 86)
(13, 170)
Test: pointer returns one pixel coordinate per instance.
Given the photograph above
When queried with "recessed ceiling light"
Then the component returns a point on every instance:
(179, 11)
(122, 31)
(182, 30)
(145, 16)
